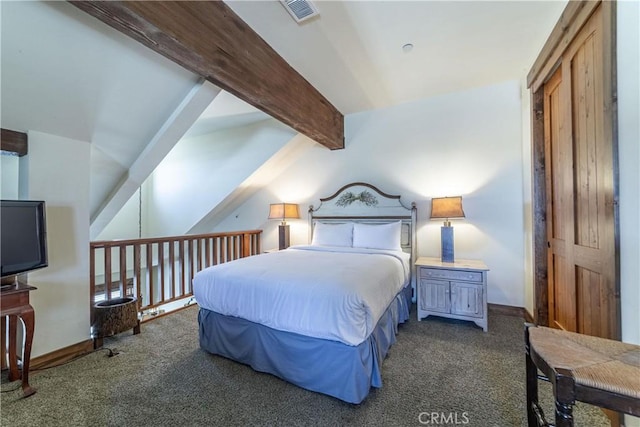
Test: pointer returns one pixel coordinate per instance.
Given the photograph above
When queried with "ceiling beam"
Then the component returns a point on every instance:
(209, 39)
(14, 142)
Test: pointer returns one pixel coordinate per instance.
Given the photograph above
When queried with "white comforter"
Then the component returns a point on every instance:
(324, 292)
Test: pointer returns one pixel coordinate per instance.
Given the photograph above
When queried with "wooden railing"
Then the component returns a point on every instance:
(158, 271)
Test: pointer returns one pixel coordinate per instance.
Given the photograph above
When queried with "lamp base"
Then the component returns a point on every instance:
(446, 238)
(283, 237)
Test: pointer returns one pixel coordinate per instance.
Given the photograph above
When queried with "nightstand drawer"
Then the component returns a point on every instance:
(433, 273)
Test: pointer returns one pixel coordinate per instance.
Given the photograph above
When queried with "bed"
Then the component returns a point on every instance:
(321, 316)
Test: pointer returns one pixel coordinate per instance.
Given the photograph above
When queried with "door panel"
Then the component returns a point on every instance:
(466, 299)
(561, 292)
(584, 145)
(435, 295)
(579, 172)
(564, 314)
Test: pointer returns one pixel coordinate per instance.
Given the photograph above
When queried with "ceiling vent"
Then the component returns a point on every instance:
(300, 10)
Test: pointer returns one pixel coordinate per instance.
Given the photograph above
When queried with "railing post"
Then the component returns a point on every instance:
(246, 245)
(92, 283)
(149, 284)
(183, 270)
(207, 252)
(191, 260)
(172, 269)
(137, 267)
(123, 270)
(161, 269)
(107, 273)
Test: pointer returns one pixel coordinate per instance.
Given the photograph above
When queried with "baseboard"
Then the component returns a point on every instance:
(507, 310)
(528, 316)
(61, 356)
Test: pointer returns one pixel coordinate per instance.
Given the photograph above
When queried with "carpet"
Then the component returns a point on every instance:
(439, 372)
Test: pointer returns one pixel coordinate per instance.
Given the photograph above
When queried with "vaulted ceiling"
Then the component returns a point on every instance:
(352, 52)
(66, 73)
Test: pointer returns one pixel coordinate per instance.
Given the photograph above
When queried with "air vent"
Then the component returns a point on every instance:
(300, 10)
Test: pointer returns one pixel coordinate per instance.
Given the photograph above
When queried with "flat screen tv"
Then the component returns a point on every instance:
(23, 236)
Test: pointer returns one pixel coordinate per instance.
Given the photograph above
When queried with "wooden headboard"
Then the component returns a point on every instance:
(362, 202)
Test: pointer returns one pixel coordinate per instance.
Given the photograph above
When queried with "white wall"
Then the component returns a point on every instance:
(9, 167)
(467, 143)
(57, 170)
(527, 193)
(125, 224)
(200, 172)
(628, 39)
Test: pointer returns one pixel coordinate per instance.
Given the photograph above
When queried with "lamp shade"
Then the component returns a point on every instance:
(447, 207)
(283, 211)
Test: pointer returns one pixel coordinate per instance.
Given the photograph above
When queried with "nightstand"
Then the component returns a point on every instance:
(456, 290)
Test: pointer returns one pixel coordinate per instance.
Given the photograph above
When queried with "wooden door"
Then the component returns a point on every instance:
(581, 256)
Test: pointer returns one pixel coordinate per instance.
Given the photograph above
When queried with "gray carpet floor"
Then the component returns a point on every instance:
(161, 377)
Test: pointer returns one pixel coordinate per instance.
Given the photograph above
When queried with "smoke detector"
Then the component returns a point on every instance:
(300, 10)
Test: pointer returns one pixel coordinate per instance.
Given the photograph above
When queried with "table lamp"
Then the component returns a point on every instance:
(282, 212)
(447, 208)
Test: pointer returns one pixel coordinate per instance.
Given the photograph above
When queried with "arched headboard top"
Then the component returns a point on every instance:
(361, 199)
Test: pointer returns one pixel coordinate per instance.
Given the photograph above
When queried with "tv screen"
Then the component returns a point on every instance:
(23, 236)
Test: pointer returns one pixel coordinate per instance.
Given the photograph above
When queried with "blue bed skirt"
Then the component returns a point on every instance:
(330, 367)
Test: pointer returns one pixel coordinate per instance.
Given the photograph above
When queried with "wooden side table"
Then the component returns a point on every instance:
(14, 305)
(457, 290)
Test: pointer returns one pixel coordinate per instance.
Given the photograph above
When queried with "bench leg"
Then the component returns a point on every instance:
(532, 383)
(564, 414)
(563, 390)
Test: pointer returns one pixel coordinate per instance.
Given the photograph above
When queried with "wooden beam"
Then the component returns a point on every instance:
(209, 39)
(14, 142)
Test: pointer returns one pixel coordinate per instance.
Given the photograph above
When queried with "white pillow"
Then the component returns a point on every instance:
(379, 236)
(332, 234)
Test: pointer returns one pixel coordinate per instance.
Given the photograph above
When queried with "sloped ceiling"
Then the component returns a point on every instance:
(225, 111)
(352, 53)
(65, 73)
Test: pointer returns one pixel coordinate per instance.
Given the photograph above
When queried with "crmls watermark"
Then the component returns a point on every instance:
(443, 418)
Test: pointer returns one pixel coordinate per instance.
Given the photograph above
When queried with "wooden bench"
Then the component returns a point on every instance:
(582, 368)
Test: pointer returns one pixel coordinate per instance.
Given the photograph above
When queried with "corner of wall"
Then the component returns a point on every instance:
(61, 302)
